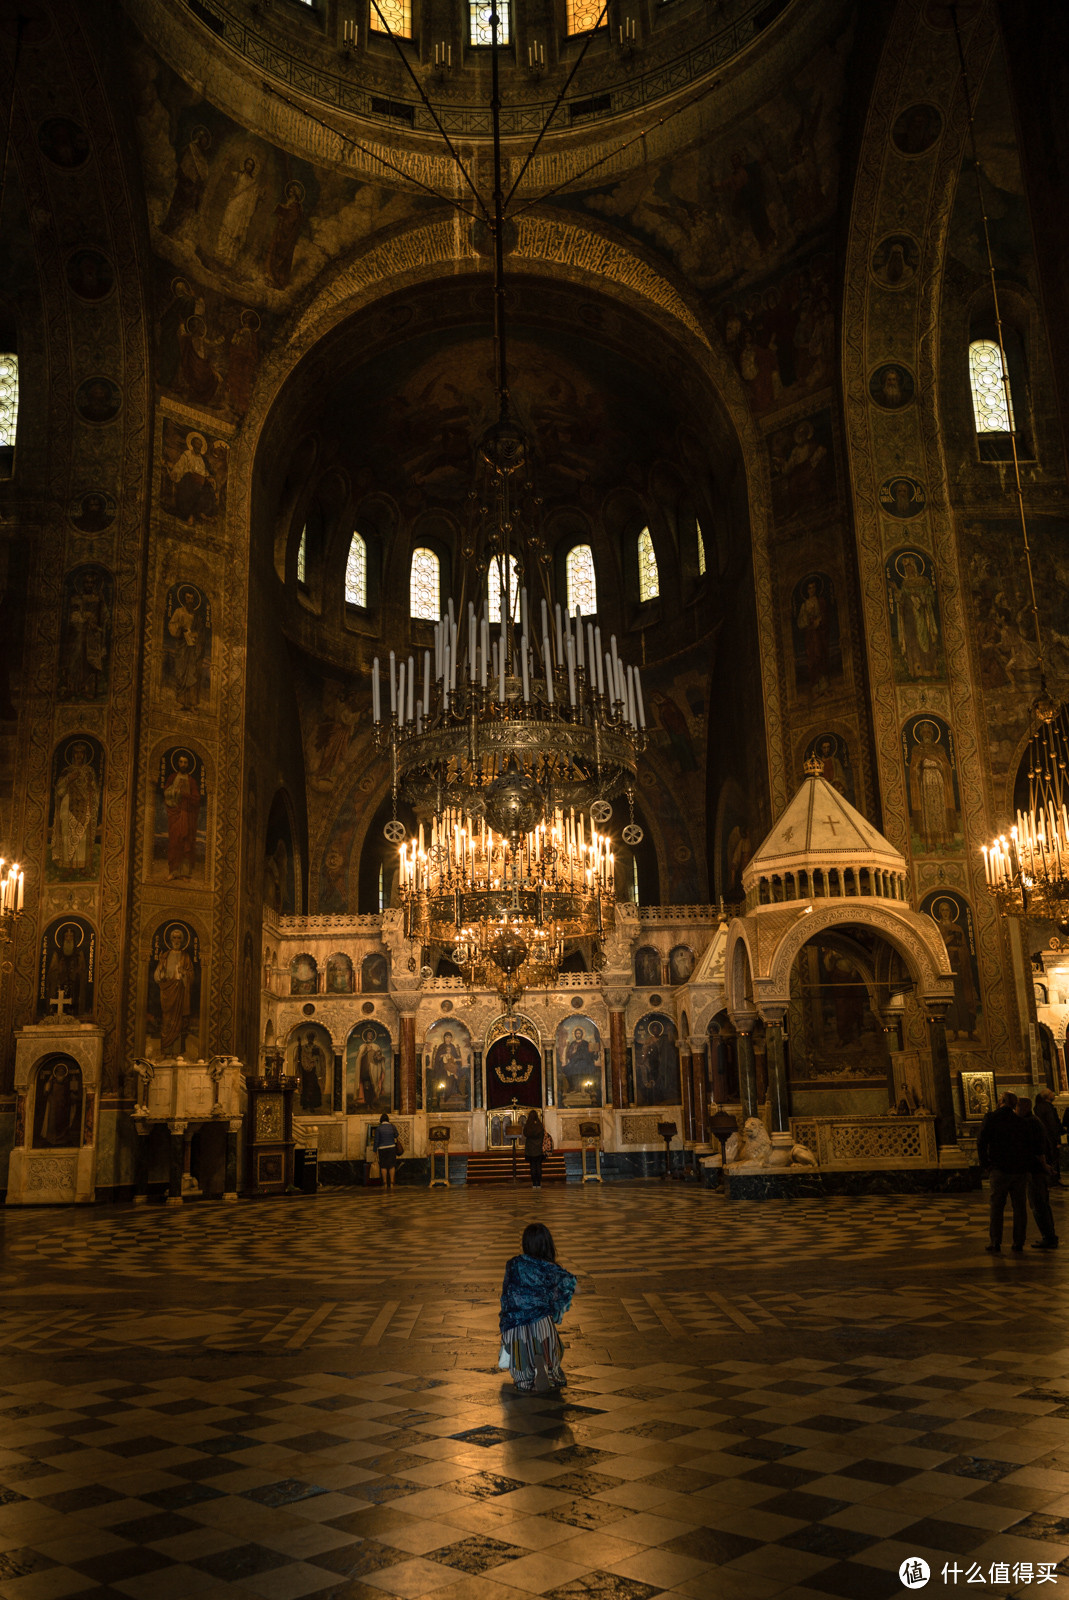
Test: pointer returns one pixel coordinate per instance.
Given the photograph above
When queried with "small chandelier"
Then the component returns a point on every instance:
(1028, 871)
(512, 737)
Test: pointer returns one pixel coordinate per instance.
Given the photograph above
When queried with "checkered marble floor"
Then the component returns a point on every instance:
(765, 1401)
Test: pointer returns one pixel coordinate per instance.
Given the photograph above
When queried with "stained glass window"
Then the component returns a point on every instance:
(649, 584)
(302, 557)
(991, 402)
(701, 547)
(9, 398)
(396, 18)
(356, 572)
(583, 16)
(582, 585)
(493, 588)
(479, 21)
(424, 589)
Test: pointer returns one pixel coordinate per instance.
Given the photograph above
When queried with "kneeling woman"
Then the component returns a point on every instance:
(534, 1297)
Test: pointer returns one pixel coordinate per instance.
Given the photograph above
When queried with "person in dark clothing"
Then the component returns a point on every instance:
(534, 1297)
(1047, 1113)
(534, 1132)
(385, 1143)
(1038, 1192)
(1011, 1147)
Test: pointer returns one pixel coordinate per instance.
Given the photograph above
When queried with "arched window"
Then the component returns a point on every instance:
(356, 572)
(582, 585)
(9, 398)
(583, 16)
(493, 589)
(424, 589)
(479, 21)
(991, 403)
(302, 556)
(396, 18)
(649, 584)
(701, 547)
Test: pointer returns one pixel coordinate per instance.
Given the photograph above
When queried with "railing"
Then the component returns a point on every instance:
(888, 1141)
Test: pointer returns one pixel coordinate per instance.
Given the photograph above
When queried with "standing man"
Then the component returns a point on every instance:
(1038, 1193)
(1011, 1147)
(1048, 1116)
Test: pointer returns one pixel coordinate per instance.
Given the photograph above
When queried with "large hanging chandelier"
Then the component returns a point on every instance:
(1027, 871)
(512, 736)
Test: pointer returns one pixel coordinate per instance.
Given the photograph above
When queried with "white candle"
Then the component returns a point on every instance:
(579, 637)
(393, 686)
(560, 640)
(570, 651)
(426, 683)
(548, 664)
(639, 701)
(525, 672)
(376, 706)
(471, 643)
(485, 631)
(401, 693)
(411, 687)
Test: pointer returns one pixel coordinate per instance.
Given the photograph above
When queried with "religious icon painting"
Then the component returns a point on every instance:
(647, 966)
(310, 1059)
(802, 463)
(93, 512)
(304, 975)
(90, 275)
(339, 974)
(374, 973)
(895, 261)
(916, 129)
(447, 1067)
(818, 654)
(891, 386)
(98, 400)
(932, 780)
(902, 498)
(58, 1096)
(187, 645)
(580, 1063)
(172, 1006)
(916, 627)
(180, 831)
(368, 1070)
(978, 1095)
(837, 767)
(680, 964)
(952, 915)
(193, 475)
(75, 810)
(65, 143)
(837, 1037)
(656, 1061)
(66, 974)
(85, 634)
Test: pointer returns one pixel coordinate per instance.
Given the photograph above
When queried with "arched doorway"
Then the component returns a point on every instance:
(513, 1064)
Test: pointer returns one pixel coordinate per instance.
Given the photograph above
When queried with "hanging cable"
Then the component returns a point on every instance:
(557, 102)
(434, 115)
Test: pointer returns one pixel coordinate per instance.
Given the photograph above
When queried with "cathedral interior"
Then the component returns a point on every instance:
(530, 581)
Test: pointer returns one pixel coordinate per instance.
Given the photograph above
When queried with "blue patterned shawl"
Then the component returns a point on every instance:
(534, 1289)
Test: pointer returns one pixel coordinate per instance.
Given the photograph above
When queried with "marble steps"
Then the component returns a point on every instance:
(495, 1167)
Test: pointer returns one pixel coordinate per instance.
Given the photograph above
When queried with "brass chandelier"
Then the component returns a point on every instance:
(513, 735)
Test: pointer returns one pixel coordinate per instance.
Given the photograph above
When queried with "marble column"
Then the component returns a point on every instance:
(779, 1095)
(687, 1088)
(747, 1065)
(946, 1131)
(718, 1068)
(408, 1062)
(141, 1163)
(616, 1001)
(230, 1180)
(700, 1082)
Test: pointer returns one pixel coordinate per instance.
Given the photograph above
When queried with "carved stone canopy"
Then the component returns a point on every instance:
(823, 848)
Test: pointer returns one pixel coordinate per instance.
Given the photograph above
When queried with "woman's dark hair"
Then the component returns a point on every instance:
(533, 1121)
(538, 1242)
(385, 1117)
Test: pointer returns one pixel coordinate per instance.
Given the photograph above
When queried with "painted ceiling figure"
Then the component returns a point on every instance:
(174, 976)
(182, 799)
(76, 798)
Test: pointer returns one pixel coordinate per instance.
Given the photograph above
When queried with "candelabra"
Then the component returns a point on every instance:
(11, 893)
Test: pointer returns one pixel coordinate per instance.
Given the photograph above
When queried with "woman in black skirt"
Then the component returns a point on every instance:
(534, 1132)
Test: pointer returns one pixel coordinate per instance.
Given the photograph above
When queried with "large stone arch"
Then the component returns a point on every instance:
(772, 943)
